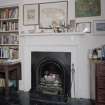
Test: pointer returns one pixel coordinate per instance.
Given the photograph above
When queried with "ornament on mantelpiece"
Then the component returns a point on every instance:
(71, 26)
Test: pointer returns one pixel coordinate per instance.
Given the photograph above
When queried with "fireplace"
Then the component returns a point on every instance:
(51, 75)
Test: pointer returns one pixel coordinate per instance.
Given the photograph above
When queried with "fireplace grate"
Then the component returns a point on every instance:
(51, 84)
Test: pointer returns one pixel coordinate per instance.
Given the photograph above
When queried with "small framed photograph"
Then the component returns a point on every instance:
(71, 26)
(99, 26)
(30, 14)
(83, 27)
(53, 13)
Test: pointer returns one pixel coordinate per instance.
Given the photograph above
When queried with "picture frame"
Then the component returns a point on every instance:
(99, 26)
(71, 25)
(30, 14)
(53, 13)
(87, 8)
(83, 27)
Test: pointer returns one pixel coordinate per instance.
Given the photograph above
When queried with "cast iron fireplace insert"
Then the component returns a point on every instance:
(51, 76)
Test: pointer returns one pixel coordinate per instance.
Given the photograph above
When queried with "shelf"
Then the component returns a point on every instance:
(9, 19)
(9, 7)
(96, 61)
(2, 58)
(15, 31)
(9, 44)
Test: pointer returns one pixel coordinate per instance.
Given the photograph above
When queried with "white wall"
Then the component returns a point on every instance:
(71, 14)
(86, 43)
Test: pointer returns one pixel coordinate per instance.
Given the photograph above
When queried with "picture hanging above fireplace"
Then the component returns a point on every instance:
(46, 14)
(87, 8)
(53, 13)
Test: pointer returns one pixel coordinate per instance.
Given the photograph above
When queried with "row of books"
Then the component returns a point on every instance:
(9, 52)
(97, 53)
(8, 26)
(11, 83)
(2, 82)
(9, 39)
(9, 13)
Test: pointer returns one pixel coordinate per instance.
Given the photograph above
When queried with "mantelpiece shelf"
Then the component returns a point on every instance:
(55, 34)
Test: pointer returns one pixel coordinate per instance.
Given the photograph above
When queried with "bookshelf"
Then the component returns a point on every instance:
(9, 34)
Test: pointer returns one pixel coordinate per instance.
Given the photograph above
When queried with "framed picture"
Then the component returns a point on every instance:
(83, 27)
(53, 13)
(30, 14)
(71, 26)
(99, 26)
(87, 8)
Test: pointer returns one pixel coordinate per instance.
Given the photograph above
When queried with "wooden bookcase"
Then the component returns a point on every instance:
(9, 34)
(97, 80)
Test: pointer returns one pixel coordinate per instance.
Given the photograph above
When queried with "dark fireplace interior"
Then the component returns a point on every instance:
(51, 75)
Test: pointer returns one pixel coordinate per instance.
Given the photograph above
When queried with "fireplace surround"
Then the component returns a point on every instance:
(51, 74)
(51, 42)
(74, 42)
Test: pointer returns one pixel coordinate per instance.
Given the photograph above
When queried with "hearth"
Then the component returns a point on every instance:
(51, 76)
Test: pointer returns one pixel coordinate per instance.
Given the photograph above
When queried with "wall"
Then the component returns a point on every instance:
(87, 42)
(90, 41)
(71, 12)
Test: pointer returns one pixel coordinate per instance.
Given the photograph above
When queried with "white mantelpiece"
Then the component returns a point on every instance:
(54, 34)
(55, 42)
(76, 43)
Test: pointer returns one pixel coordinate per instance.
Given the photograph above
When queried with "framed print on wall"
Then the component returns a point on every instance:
(53, 13)
(30, 14)
(99, 26)
(83, 27)
(87, 8)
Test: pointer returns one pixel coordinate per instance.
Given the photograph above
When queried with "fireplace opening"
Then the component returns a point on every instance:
(51, 74)
(51, 77)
